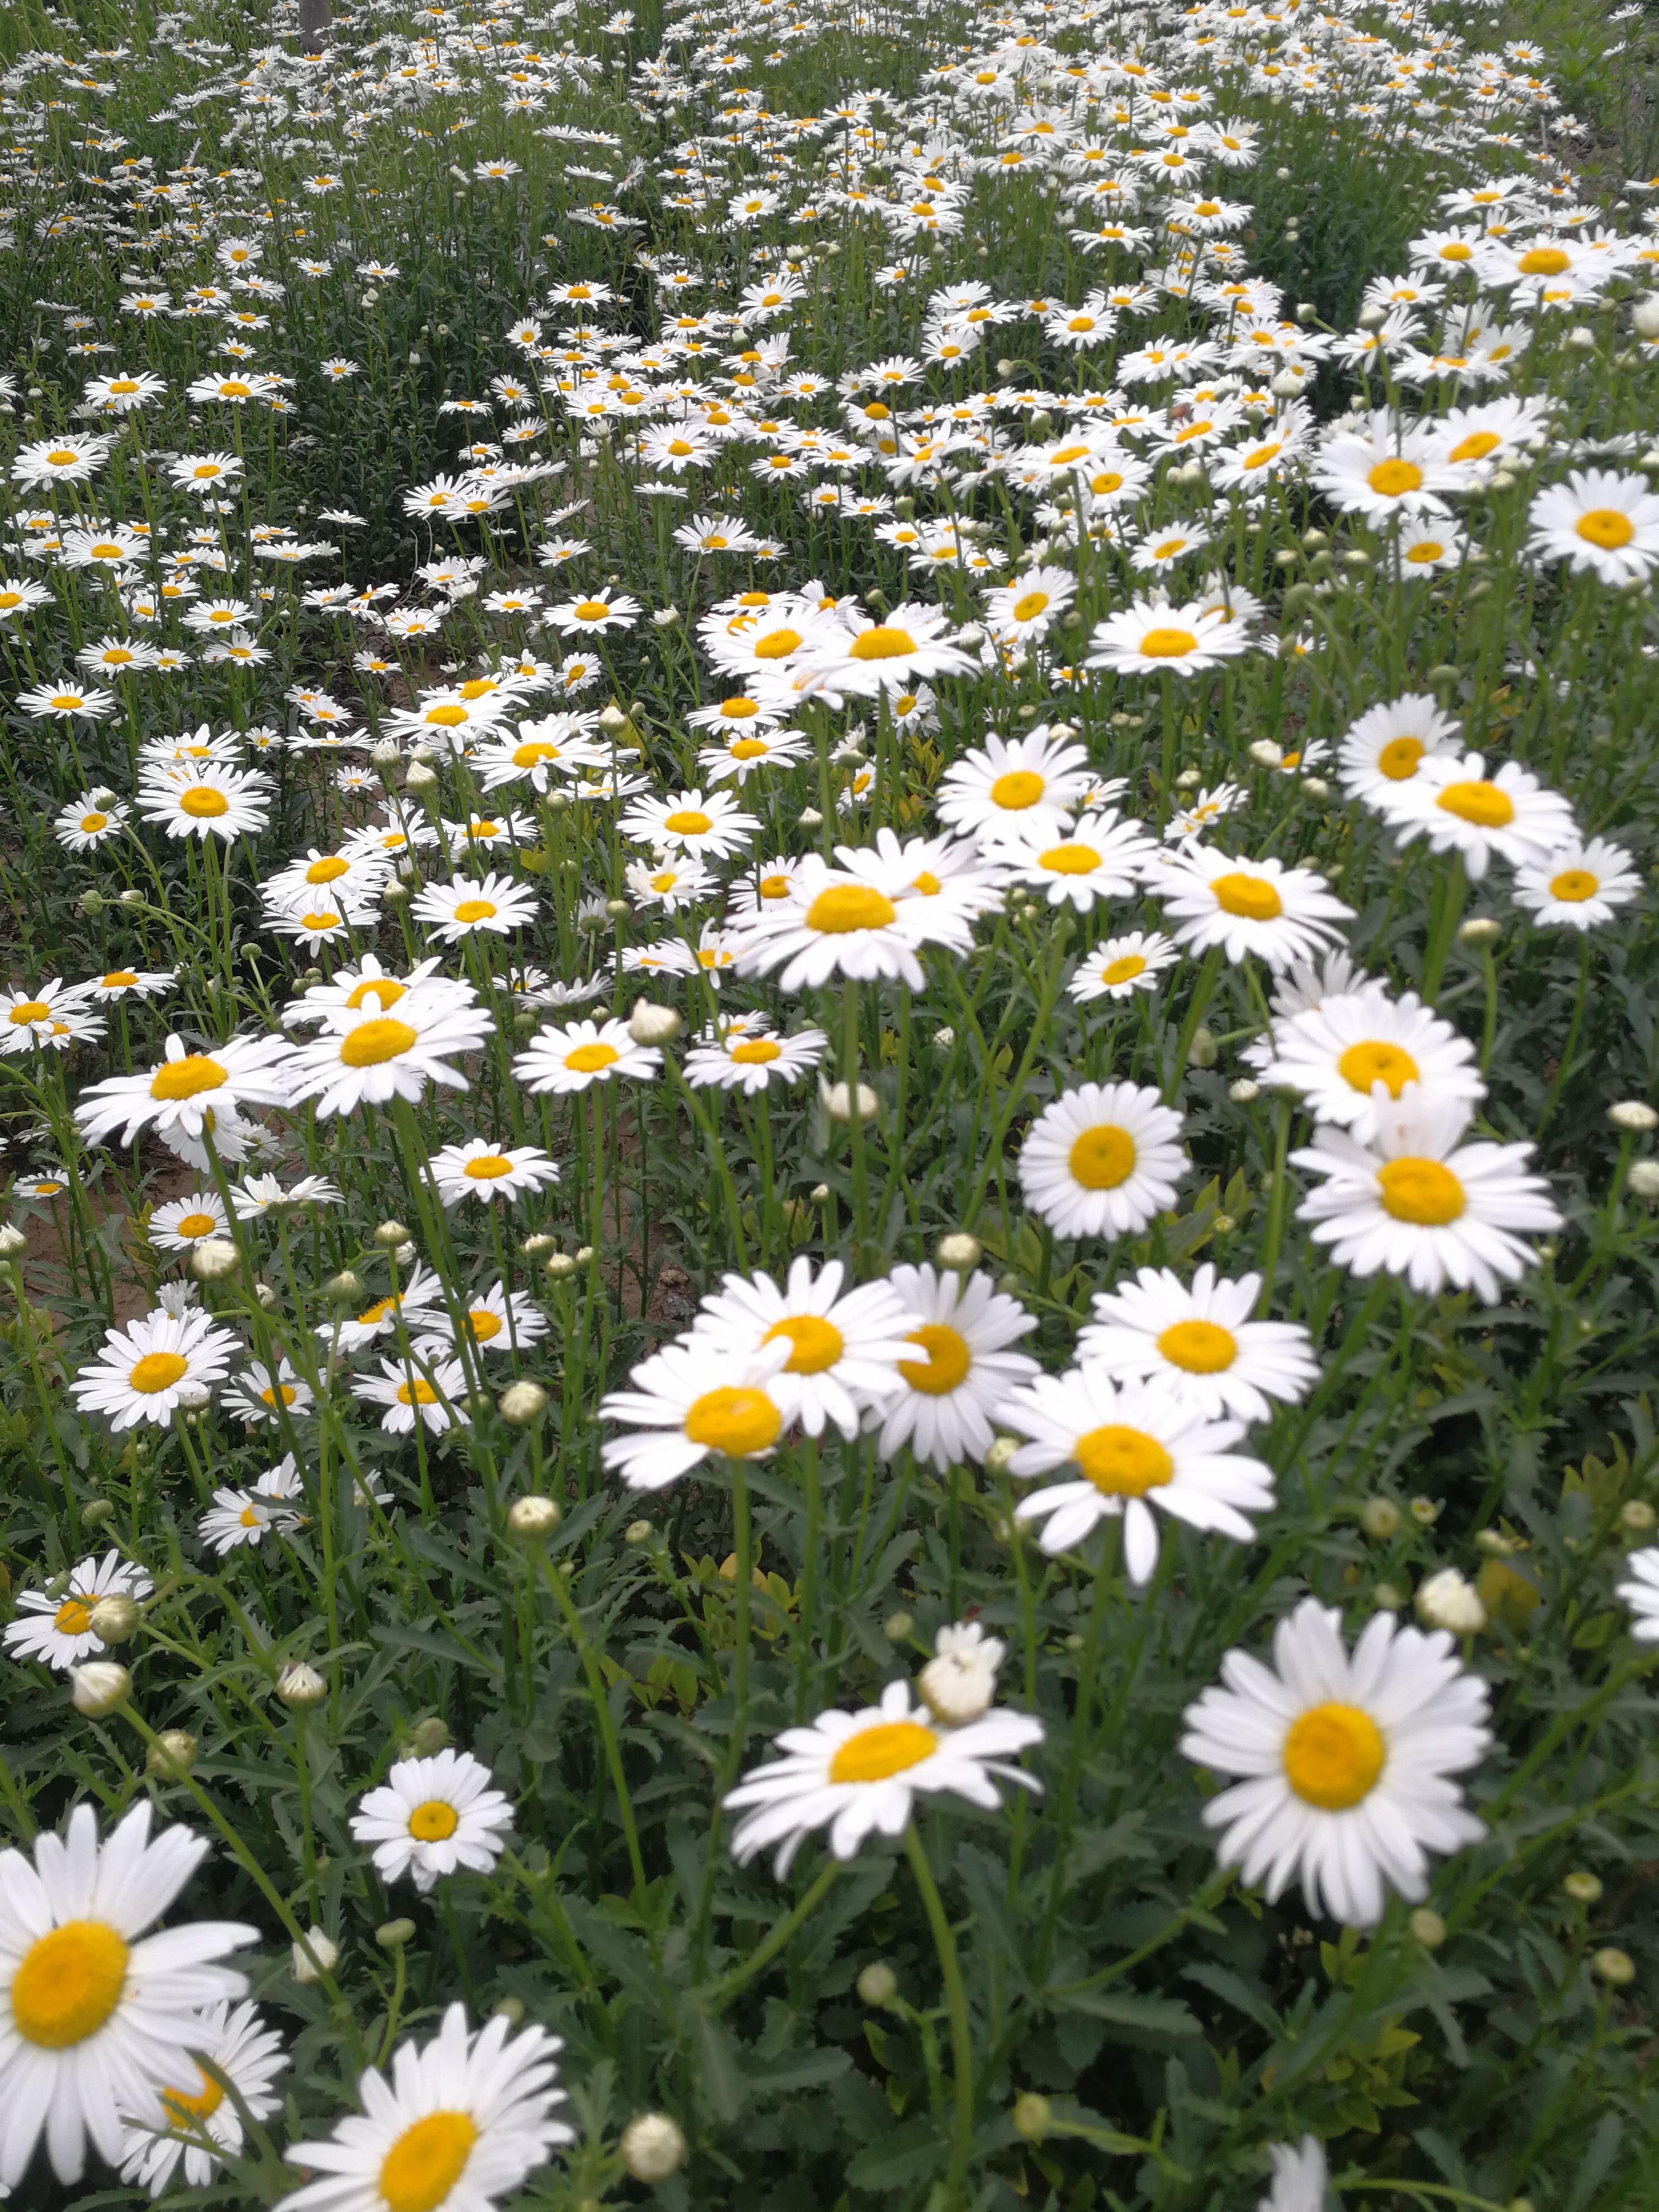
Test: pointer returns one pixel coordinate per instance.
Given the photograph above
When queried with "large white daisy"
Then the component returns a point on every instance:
(1102, 1160)
(959, 1368)
(845, 1346)
(155, 1365)
(1201, 1342)
(1352, 1055)
(433, 1815)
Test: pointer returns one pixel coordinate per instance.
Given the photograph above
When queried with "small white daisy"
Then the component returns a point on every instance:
(431, 1816)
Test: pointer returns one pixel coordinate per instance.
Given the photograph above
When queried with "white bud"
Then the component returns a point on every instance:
(957, 1688)
(214, 1258)
(666, 618)
(520, 1403)
(12, 1242)
(1646, 319)
(419, 777)
(391, 1234)
(99, 1686)
(1316, 788)
(301, 1685)
(114, 1618)
(1644, 1179)
(653, 2146)
(1582, 339)
(958, 1250)
(1634, 1116)
(314, 1957)
(1001, 1451)
(1447, 1600)
(650, 1024)
(878, 1985)
(837, 1105)
(1266, 754)
(531, 1518)
(945, 1038)
(810, 818)
(1243, 1092)
(385, 752)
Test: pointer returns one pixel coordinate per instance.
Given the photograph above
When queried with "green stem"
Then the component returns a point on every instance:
(955, 2001)
(607, 1726)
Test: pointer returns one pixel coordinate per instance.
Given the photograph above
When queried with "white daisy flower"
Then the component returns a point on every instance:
(462, 908)
(1135, 1445)
(858, 1774)
(709, 825)
(1460, 809)
(183, 1223)
(237, 1517)
(864, 657)
(844, 1347)
(482, 1170)
(1095, 857)
(580, 1054)
(1300, 2175)
(96, 2017)
(1120, 966)
(463, 2123)
(1102, 1160)
(437, 1399)
(187, 1091)
(206, 801)
(433, 1815)
(369, 1054)
(149, 1369)
(1023, 787)
(959, 1682)
(1600, 522)
(751, 1060)
(1640, 1593)
(833, 923)
(254, 1396)
(1351, 1057)
(686, 1402)
(411, 1301)
(250, 2055)
(1201, 1342)
(1030, 606)
(1419, 1203)
(1579, 887)
(958, 1369)
(1387, 744)
(1151, 637)
(1281, 915)
(495, 1319)
(1344, 1760)
(58, 1629)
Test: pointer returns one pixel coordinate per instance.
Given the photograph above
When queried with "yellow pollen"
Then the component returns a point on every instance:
(28, 1011)
(249, 1516)
(1426, 551)
(328, 870)
(1200, 1348)
(1258, 456)
(1102, 1158)
(1123, 1463)
(592, 610)
(1476, 446)
(475, 909)
(1573, 885)
(205, 802)
(431, 1822)
(69, 1982)
(73, 1617)
(186, 1078)
(1544, 261)
(1332, 1755)
(688, 822)
(818, 1344)
(748, 748)
(1123, 969)
(776, 645)
(1398, 758)
(420, 1392)
(946, 1364)
(1107, 480)
(62, 457)
(1167, 644)
(377, 1040)
(427, 2160)
(1363, 1065)
(197, 1225)
(483, 1324)
(157, 1371)
(846, 907)
(445, 718)
(1070, 860)
(739, 709)
(383, 987)
(755, 1052)
(1607, 527)
(1482, 805)
(733, 1420)
(487, 1167)
(1018, 789)
(1250, 897)
(533, 752)
(186, 2106)
(876, 1754)
(278, 1394)
(1029, 606)
(1425, 1193)
(1394, 478)
(882, 643)
(589, 1059)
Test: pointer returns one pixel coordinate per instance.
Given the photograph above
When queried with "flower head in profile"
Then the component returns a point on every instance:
(187, 1091)
(97, 2016)
(859, 1774)
(464, 2120)
(1152, 637)
(431, 1816)
(1343, 1760)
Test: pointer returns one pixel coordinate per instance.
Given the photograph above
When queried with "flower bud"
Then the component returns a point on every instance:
(1583, 1887)
(1316, 788)
(820, 1192)
(1635, 1515)
(173, 1753)
(214, 1258)
(314, 1957)
(1266, 754)
(12, 1242)
(1002, 1450)
(1031, 2116)
(1425, 1511)
(419, 779)
(1644, 1179)
(650, 1024)
(810, 818)
(1204, 1050)
(301, 1685)
(898, 1626)
(584, 1256)
(428, 1737)
(532, 1517)
(1615, 1967)
(392, 1934)
(344, 1289)
(98, 1513)
(957, 1686)
(958, 1250)
(944, 1037)
(1386, 1598)
(560, 1265)
(1634, 1116)
(653, 2146)
(878, 1985)
(836, 1101)
(639, 1532)
(1428, 1927)
(98, 1688)
(1447, 1600)
(1243, 1092)
(666, 618)
(521, 1403)
(114, 1618)
(508, 2008)
(1380, 1517)
(390, 1235)
(1480, 929)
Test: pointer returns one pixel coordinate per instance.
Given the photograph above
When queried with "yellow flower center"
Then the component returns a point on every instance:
(278, 1394)
(1123, 969)
(1123, 1463)
(382, 987)
(1373, 1062)
(844, 908)
(29, 1010)
(688, 822)
(818, 1344)
(1102, 1158)
(322, 918)
(776, 645)
(419, 1392)
(375, 1041)
(1607, 527)
(1201, 1348)
(1423, 1191)
(204, 801)
(73, 1617)
(68, 1984)
(1167, 644)
(234, 388)
(487, 1167)
(947, 1362)
(483, 1324)
(156, 1371)
(186, 1078)
(883, 642)
(249, 1516)
(589, 1059)
(431, 1822)
(739, 709)
(1476, 446)
(1332, 1755)
(475, 909)
(755, 1052)
(533, 752)
(592, 610)
(1424, 553)
(748, 748)
(328, 870)
(62, 457)
(1394, 478)
(1029, 606)
(427, 2160)
(1482, 805)
(197, 1225)
(876, 1754)
(734, 1420)
(1544, 261)
(184, 2107)
(1251, 898)
(1018, 789)
(1070, 860)
(1573, 885)
(205, 471)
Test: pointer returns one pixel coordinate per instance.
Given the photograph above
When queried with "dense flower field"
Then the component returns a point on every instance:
(827, 1065)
